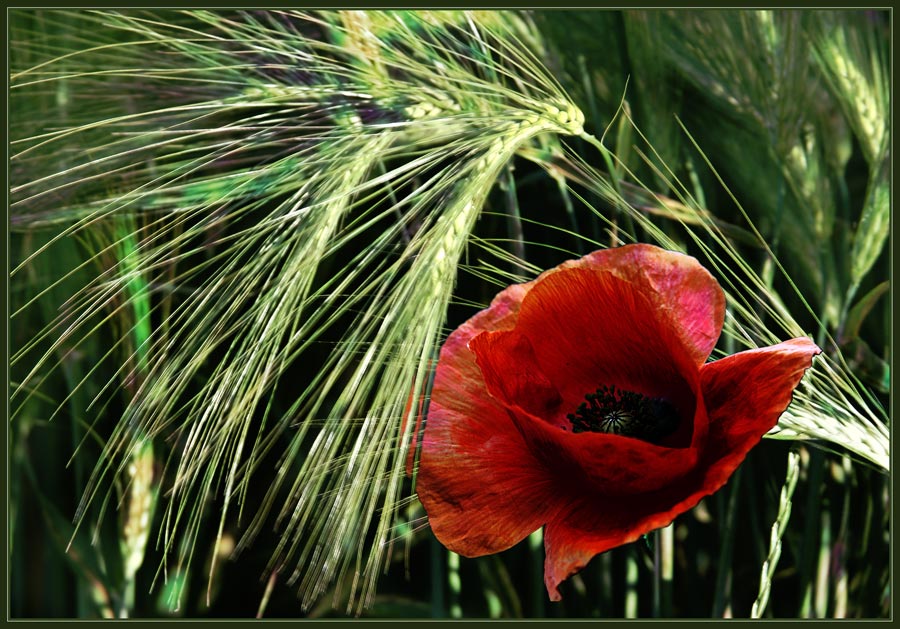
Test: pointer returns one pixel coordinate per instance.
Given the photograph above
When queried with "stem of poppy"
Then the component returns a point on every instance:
(455, 584)
(657, 577)
(823, 569)
(535, 543)
(631, 581)
(605, 583)
(437, 580)
(842, 578)
(807, 558)
(663, 549)
(722, 598)
(667, 568)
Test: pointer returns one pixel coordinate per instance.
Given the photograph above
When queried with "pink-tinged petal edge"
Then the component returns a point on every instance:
(678, 285)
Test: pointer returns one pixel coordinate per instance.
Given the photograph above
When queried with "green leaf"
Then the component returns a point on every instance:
(81, 557)
(866, 364)
(872, 231)
(861, 310)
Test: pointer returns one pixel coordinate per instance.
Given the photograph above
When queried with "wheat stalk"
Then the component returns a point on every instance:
(778, 528)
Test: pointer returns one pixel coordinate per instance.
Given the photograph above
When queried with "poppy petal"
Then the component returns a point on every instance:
(590, 328)
(745, 394)
(511, 374)
(604, 465)
(572, 541)
(678, 286)
(480, 488)
(578, 535)
(482, 491)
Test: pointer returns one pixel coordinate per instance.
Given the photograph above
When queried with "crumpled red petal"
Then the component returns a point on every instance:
(578, 329)
(483, 494)
(586, 328)
(606, 467)
(513, 376)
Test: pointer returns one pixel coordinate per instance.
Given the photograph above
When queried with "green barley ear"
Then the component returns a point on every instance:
(260, 150)
(854, 64)
(777, 532)
(852, 60)
(752, 63)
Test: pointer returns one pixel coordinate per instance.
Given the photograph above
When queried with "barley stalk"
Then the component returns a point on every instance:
(781, 522)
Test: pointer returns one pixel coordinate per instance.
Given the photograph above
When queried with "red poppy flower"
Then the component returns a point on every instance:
(582, 402)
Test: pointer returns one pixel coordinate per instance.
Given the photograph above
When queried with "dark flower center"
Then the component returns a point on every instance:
(625, 413)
